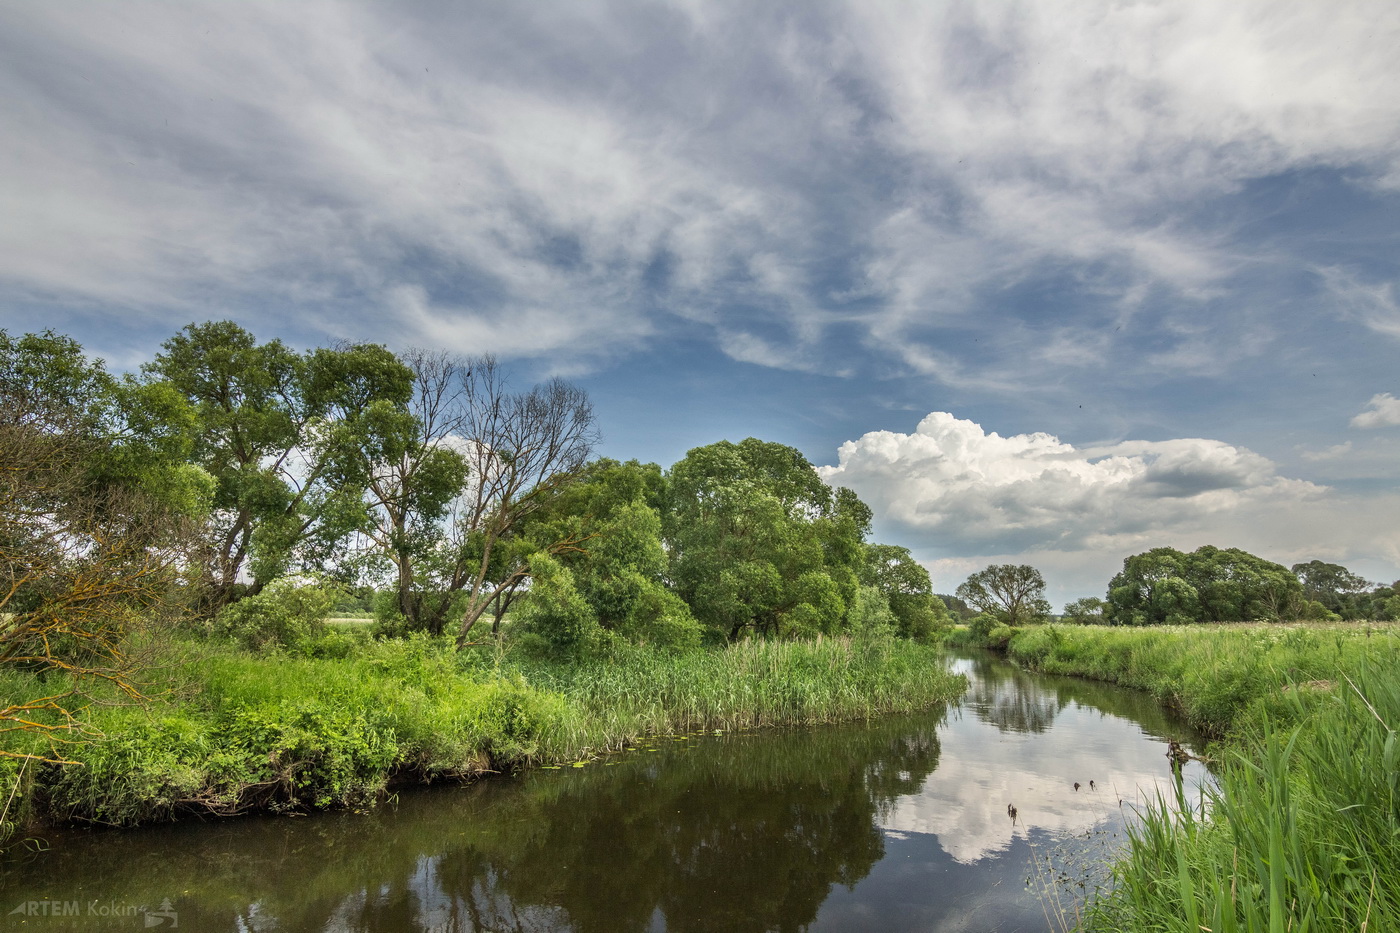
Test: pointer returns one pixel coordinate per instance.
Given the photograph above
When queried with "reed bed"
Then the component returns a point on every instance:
(749, 685)
(1301, 830)
(244, 733)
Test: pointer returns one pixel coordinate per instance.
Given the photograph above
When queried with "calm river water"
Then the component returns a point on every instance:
(900, 824)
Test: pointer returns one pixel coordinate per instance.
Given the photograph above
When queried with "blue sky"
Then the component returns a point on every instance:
(1044, 282)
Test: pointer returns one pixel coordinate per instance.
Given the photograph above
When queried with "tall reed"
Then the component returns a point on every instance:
(269, 733)
(1300, 834)
(752, 684)
(1301, 830)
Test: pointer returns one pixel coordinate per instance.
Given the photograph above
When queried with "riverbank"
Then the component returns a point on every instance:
(242, 733)
(1302, 829)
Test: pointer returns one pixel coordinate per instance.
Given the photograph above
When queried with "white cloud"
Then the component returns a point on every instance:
(953, 481)
(1335, 452)
(962, 498)
(1383, 411)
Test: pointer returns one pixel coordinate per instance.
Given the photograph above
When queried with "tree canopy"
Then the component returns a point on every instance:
(269, 426)
(759, 543)
(1013, 593)
(1209, 584)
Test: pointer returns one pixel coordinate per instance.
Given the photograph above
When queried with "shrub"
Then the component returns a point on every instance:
(981, 625)
(286, 614)
(870, 615)
(1000, 635)
(560, 620)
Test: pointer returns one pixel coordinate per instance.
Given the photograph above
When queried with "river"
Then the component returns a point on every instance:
(899, 824)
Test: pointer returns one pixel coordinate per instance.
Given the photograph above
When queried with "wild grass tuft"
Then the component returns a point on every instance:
(1301, 830)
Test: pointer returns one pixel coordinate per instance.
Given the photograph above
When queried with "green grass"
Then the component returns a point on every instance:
(753, 684)
(243, 733)
(1301, 831)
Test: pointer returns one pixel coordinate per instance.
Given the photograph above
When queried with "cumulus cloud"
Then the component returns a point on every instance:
(1383, 411)
(973, 491)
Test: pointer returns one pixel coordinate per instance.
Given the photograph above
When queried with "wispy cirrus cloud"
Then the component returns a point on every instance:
(763, 174)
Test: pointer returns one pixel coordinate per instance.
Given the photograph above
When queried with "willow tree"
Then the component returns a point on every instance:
(271, 426)
(906, 586)
(520, 448)
(612, 576)
(450, 482)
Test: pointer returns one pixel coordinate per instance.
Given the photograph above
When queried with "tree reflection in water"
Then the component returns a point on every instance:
(709, 833)
(725, 836)
(1010, 699)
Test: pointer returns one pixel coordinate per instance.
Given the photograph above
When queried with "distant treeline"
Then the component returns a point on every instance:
(1211, 584)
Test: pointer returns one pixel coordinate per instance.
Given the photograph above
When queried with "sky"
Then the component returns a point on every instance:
(1046, 283)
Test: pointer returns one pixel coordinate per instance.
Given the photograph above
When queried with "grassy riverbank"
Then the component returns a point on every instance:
(243, 732)
(1303, 829)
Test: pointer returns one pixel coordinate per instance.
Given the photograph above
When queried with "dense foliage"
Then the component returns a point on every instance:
(1209, 584)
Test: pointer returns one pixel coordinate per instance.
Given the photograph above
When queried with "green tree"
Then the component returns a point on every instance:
(905, 584)
(1152, 588)
(1332, 585)
(1013, 593)
(137, 437)
(1210, 584)
(617, 557)
(271, 426)
(410, 473)
(1236, 586)
(759, 543)
(1086, 611)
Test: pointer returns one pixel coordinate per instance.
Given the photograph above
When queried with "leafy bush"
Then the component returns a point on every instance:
(981, 625)
(286, 614)
(561, 622)
(870, 615)
(1000, 635)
